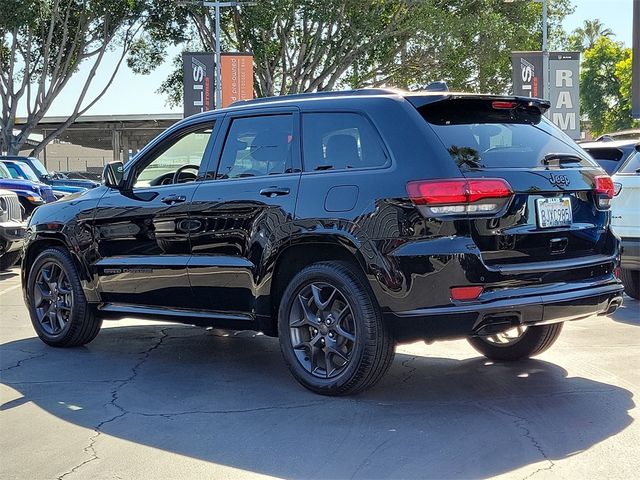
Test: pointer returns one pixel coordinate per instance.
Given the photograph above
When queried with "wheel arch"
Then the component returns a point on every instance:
(297, 255)
(45, 240)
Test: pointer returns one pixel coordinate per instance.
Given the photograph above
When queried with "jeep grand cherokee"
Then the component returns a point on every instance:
(343, 223)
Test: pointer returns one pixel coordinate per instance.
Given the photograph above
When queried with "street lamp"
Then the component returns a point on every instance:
(545, 46)
(217, 5)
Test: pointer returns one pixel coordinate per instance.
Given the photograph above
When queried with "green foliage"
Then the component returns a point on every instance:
(310, 45)
(605, 86)
(42, 45)
(585, 37)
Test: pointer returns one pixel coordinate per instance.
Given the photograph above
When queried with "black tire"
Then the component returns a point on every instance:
(81, 325)
(533, 341)
(631, 281)
(372, 348)
(8, 260)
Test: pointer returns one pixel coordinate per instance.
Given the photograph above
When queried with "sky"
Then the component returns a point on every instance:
(131, 93)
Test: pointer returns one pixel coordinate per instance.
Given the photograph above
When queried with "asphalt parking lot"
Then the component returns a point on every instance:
(155, 400)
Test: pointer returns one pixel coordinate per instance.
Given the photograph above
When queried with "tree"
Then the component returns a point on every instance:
(585, 37)
(605, 86)
(306, 45)
(43, 43)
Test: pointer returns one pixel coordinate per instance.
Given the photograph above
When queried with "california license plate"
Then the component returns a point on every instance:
(554, 212)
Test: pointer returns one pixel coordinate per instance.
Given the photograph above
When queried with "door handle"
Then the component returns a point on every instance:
(274, 191)
(171, 199)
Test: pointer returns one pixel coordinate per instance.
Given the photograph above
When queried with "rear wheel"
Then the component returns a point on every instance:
(57, 305)
(331, 330)
(631, 281)
(8, 260)
(518, 342)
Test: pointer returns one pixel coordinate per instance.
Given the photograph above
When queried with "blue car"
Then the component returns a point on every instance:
(44, 176)
(30, 194)
(23, 171)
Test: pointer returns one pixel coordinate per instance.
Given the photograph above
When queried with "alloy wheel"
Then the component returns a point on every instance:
(322, 329)
(52, 298)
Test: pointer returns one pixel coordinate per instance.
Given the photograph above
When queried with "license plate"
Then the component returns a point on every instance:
(554, 212)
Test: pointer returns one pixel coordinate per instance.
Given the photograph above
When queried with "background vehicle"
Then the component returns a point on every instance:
(11, 229)
(610, 154)
(625, 220)
(342, 223)
(57, 182)
(23, 171)
(30, 194)
(631, 134)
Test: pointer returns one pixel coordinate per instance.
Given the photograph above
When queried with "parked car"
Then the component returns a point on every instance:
(12, 229)
(30, 194)
(343, 223)
(57, 182)
(23, 171)
(625, 220)
(610, 155)
(631, 134)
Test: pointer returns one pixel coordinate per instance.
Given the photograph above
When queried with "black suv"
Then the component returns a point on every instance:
(342, 223)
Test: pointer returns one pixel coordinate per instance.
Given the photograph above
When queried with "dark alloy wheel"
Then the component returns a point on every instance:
(322, 329)
(332, 334)
(57, 305)
(52, 297)
(518, 342)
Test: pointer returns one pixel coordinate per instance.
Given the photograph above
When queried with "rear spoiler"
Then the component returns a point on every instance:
(420, 99)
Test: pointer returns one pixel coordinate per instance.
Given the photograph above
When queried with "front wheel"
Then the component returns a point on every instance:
(332, 334)
(517, 343)
(58, 308)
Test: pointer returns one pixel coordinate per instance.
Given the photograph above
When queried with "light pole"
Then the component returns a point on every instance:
(545, 52)
(216, 5)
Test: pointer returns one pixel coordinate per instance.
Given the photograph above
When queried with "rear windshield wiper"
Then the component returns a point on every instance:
(561, 158)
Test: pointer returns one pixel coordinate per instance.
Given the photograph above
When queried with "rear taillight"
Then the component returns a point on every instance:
(481, 196)
(604, 191)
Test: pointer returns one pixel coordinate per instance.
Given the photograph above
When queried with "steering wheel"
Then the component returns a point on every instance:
(176, 175)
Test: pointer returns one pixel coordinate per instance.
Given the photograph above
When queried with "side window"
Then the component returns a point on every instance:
(338, 141)
(632, 165)
(14, 171)
(257, 146)
(187, 150)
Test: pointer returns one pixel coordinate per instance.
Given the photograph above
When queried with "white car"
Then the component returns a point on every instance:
(625, 220)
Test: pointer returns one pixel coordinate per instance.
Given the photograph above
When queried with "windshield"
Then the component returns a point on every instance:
(4, 173)
(478, 136)
(37, 165)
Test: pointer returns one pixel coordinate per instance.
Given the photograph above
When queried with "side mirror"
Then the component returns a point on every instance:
(113, 175)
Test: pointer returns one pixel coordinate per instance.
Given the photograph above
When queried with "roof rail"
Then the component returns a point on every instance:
(338, 93)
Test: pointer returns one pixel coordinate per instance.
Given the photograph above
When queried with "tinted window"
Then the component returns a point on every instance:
(257, 146)
(337, 141)
(477, 135)
(185, 149)
(632, 165)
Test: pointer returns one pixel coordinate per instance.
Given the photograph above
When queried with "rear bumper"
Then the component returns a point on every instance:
(630, 253)
(11, 236)
(482, 318)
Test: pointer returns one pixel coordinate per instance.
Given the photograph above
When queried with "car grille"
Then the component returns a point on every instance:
(12, 206)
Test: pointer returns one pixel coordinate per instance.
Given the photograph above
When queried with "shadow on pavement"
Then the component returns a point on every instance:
(231, 401)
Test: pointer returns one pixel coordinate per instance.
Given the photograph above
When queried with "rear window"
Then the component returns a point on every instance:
(479, 136)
